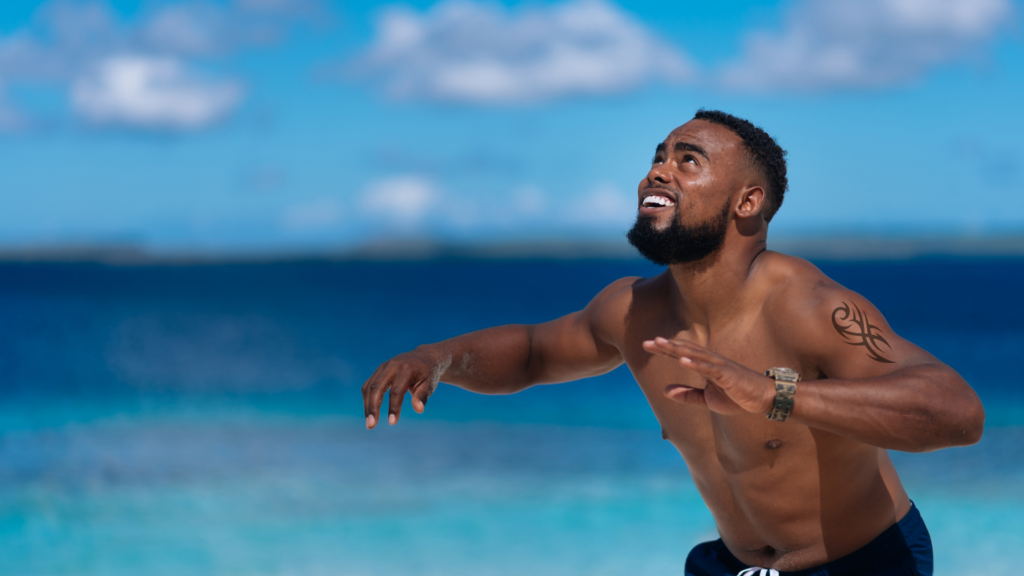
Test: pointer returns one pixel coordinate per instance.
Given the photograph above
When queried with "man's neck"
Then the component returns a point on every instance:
(709, 290)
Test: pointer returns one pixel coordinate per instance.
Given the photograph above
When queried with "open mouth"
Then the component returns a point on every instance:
(654, 199)
(657, 202)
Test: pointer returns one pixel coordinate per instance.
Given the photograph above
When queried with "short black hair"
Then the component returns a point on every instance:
(766, 155)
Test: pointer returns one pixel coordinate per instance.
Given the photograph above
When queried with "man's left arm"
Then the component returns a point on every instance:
(876, 387)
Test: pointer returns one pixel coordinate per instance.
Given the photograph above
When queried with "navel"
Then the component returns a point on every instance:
(664, 435)
(773, 444)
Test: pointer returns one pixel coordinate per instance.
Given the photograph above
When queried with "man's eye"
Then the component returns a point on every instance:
(689, 159)
(657, 160)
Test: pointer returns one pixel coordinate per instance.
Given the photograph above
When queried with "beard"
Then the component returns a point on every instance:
(678, 244)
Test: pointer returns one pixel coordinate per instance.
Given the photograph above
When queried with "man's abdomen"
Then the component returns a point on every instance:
(788, 497)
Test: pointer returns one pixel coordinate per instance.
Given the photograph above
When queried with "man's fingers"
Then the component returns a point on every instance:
(678, 349)
(421, 393)
(657, 346)
(403, 381)
(403, 373)
(685, 394)
(690, 355)
(378, 386)
(367, 387)
(709, 370)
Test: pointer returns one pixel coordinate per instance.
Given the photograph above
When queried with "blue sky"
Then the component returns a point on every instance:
(293, 124)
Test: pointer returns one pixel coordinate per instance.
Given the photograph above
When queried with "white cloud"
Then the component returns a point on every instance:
(149, 92)
(529, 200)
(10, 119)
(141, 72)
(839, 44)
(281, 6)
(186, 29)
(465, 51)
(604, 204)
(414, 203)
(205, 28)
(404, 200)
(316, 214)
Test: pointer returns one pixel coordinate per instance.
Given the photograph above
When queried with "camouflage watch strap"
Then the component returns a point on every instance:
(785, 390)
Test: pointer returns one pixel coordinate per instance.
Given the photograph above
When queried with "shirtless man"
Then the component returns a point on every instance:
(810, 488)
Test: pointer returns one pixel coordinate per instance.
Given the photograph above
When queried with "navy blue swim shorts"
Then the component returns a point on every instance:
(904, 549)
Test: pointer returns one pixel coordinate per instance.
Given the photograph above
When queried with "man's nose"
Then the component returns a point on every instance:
(659, 174)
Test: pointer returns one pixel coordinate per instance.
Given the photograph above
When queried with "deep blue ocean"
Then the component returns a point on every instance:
(206, 419)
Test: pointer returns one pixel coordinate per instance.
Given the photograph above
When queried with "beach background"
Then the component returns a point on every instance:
(208, 420)
(217, 217)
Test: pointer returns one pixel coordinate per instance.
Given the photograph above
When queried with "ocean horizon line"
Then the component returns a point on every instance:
(840, 248)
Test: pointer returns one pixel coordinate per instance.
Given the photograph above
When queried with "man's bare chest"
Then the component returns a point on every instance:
(747, 341)
(697, 432)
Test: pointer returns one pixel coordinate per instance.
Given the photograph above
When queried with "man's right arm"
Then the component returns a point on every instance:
(504, 359)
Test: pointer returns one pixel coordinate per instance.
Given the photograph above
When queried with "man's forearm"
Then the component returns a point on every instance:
(490, 361)
(914, 409)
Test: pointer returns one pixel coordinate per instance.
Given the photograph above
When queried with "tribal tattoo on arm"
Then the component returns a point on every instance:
(862, 332)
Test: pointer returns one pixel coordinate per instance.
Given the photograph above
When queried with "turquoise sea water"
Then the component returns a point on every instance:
(207, 420)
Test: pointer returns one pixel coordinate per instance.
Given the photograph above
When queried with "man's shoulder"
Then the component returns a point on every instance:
(830, 327)
(617, 295)
(624, 290)
(616, 301)
(798, 291)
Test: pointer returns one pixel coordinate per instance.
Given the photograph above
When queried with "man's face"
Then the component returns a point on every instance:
(684, 201)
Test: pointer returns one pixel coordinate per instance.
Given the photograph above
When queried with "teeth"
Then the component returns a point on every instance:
(658, 201)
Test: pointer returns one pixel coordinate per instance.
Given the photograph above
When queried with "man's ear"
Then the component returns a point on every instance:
(751, 202)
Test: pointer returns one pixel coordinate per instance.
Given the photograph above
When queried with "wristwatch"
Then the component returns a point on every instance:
(785, 390)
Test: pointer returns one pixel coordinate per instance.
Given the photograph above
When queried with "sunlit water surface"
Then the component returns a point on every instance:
(207, 420)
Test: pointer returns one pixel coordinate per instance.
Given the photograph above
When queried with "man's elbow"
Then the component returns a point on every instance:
(973, 425)
(962, 428)
(965, 428)
(965, 420)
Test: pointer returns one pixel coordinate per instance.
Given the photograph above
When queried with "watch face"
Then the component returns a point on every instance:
(784, 374)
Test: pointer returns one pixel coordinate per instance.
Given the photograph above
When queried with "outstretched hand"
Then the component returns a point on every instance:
(415, 372)
(731, 388)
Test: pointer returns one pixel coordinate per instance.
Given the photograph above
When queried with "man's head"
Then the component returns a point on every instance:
(711, 171)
